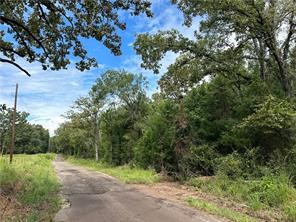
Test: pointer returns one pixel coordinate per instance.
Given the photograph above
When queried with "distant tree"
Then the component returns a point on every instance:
(126, 103)
(30, 138)
(89, 109)
(4, 126)
(49, 31)
(108, 116)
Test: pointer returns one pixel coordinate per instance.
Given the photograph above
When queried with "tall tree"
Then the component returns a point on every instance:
(90, 109)
(111, 111)
(260, 32)
(124, 91)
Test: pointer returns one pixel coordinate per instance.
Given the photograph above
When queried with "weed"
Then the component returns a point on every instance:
(31, 179)
(269, 192)
(217, 210)
(290, 212)
(126, 174)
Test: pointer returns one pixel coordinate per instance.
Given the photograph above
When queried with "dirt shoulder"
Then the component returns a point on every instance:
(177, 192)
(10, 207)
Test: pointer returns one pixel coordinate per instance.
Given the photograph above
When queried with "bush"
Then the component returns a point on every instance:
(273, 191)
(271, 127)
(200, 160)
(230, 166)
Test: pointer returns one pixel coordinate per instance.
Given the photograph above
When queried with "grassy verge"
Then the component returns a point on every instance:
(30, 181)
(125, 174)
(273, 194)
(217, 210)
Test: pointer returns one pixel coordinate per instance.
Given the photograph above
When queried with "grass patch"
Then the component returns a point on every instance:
(32, 181)
(125, 174)
(217, 210)
(268, 193)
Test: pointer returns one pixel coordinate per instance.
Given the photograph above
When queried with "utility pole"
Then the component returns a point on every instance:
(13, 125)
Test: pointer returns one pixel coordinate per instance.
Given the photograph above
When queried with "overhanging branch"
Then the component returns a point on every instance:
(12, 22)
(16, 65)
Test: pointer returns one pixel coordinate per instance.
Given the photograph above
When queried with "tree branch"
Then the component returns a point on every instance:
(16, 65)
(10, 49)
(12, 22)
(51, 7)
(43, 14)
(286, 44)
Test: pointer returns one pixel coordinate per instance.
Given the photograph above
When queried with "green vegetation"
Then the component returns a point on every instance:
(28, 25)
(30, 138)
(32, 181)
(226, 108)
(125, 174)
(267, 193)
(223, 212)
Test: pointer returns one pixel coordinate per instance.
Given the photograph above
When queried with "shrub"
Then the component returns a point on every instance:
(273, 191)
(269, 192)
(230, 166)
(200, 160)
(271, 127)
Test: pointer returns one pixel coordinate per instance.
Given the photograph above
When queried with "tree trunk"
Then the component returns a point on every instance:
(97, 137)
(2, 149)
(262, 54)
(287, 86)
(283, 74)
(111, 135)
(260, 50)
(285, 79)
(1, 145)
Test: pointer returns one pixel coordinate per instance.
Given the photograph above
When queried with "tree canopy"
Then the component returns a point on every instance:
(225, 105)
(232, 33)
(49, 32)
(30, 138)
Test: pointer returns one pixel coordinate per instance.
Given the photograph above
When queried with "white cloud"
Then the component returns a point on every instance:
(47, 94)
(166, 17)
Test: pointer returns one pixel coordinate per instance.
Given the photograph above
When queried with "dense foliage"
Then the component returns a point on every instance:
(213, 128)
(226, 106)
(30, 138)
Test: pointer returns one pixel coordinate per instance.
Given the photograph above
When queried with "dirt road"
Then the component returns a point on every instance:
(96, 197)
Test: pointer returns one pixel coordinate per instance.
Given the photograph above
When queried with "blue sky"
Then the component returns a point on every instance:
(49, 94)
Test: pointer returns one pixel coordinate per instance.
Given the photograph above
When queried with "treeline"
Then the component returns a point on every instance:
(30, 138)
(214, 127)
(227, 105)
